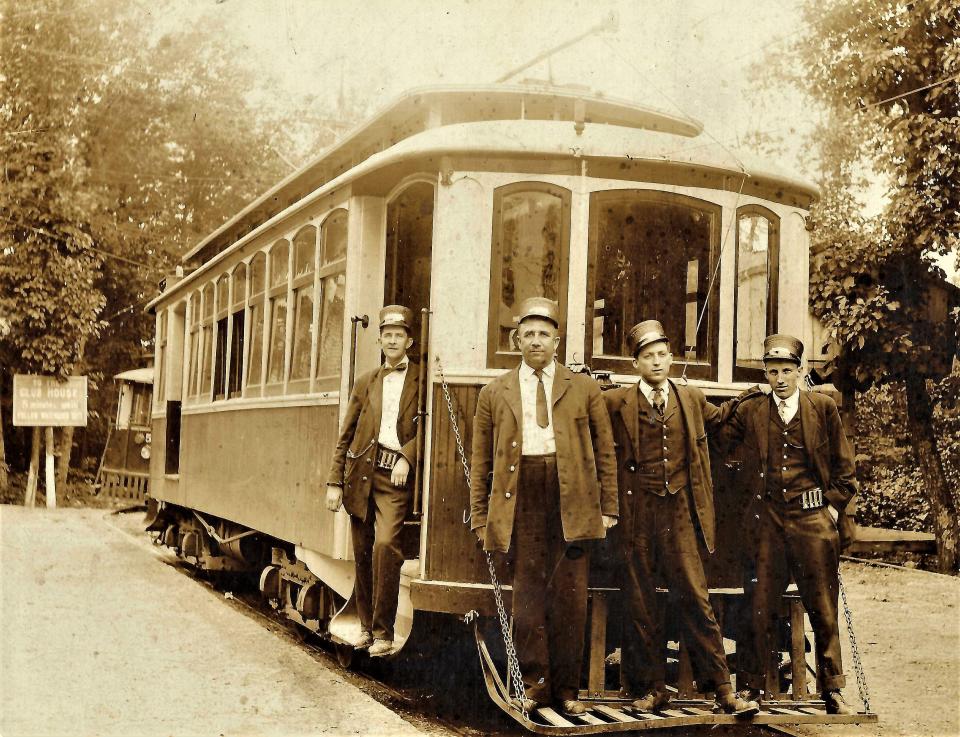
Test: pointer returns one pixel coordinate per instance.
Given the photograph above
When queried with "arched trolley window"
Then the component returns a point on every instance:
(222, 330)
(277, 303)
(304, 253)
(258, 275)
(193, 370)
(755, 317)
(206, 341)
(531, 242)
(651, 255)
(332, 277)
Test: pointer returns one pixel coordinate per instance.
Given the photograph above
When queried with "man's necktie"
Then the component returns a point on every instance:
(400, 367)
(542, 418)
(782, 409)
(658, 401)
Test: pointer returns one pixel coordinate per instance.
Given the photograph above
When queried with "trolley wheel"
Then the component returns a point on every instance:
(345, 654)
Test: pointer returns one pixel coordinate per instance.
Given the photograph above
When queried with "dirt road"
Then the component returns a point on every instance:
(101, 638)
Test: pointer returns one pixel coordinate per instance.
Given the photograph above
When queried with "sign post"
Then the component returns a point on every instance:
(42, 401)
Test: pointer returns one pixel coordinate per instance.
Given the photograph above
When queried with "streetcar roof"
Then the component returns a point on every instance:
(138, 375)
(422, 108)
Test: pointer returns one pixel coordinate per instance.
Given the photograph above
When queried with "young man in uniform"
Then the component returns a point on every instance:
(542, 434)
(371, 477)
(801, 470)
(666, 496)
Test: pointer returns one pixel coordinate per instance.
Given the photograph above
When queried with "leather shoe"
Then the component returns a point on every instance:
(730, 703)
(379, 648)
(652, 701)
(365, 641)
(835, 703)
(750, 694)
(572, 707)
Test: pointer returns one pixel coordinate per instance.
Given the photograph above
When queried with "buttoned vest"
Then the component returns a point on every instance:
(789, 471)
(662, 460)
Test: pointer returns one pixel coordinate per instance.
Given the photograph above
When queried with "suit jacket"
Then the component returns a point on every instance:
(354, 456)
(699, 416)
(586, 465)
(826, 444)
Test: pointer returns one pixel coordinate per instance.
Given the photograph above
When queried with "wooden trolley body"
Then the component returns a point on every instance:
(448, 200)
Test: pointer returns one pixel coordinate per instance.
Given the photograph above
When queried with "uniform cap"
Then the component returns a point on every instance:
(540, 307)
(782, 347)
(396, 315)
(643, 334)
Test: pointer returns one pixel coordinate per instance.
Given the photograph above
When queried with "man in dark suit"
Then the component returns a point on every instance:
(370, 476)
(801, 471)
(666, 496)
(543, 435)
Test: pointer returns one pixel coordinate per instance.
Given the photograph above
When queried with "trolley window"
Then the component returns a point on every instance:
(651, 255)
(206, 340)
(161, 350)
(531, 240)
(222, 328)
(258, 275)
(277, 304)
(304, 247)
(238, 299)
(193, 380)
(758, 251)
(332, 277)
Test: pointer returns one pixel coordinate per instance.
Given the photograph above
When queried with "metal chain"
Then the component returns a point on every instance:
(857, 665)
(513, 662)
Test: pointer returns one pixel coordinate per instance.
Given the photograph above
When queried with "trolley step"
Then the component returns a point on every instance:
(612, 714)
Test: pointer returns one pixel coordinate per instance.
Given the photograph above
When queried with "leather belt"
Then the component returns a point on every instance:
(386, 458)
(811, 498)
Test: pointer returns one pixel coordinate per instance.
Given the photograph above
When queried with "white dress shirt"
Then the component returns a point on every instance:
(536, 440)
(648, 390)
(793, 404)
(390, 407)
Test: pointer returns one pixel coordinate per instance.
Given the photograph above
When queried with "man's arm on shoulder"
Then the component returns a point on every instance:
(601, 434)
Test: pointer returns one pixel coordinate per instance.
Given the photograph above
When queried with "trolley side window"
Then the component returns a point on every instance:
(277, 305)
(531, 241)
(304, 252)
(258, 275)
(222, 328)
(332, 277)
(238, 300)
(651, 255)
(206, 341)
(193, 370)
(161, 357)
(758, 251)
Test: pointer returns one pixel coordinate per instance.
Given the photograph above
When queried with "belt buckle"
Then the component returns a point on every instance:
(387, 459)
(811, 499)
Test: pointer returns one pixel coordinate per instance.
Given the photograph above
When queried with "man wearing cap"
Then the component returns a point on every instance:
(801, 471)
(371, 475)
(542, 434)
(666, 496)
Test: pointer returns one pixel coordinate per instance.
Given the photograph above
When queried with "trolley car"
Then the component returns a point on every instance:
(460, 202)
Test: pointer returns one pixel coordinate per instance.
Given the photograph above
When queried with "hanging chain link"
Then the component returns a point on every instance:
(857, 665)
(513, 662)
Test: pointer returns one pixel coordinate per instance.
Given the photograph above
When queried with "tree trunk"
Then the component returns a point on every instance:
(63, 457)
(30, 493)
(50, 476)
(946, 523)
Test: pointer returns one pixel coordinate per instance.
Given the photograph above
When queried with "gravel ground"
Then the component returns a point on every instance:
(101, 638)
(118, 643)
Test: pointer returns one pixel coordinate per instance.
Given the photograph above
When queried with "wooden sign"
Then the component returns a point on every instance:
(42, 401)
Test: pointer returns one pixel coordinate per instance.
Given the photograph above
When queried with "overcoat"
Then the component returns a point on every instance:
(826, 444)
(354, 456)
(586, 465)
(698, 417)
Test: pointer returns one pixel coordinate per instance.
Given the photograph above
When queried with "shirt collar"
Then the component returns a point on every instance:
(401, 366)
(526, 371)
(793, 401)
(648, 390)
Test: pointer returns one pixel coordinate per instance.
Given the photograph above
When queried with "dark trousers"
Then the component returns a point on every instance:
(664, 539)
(376, 548)
(549, 587)
(803, 543)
